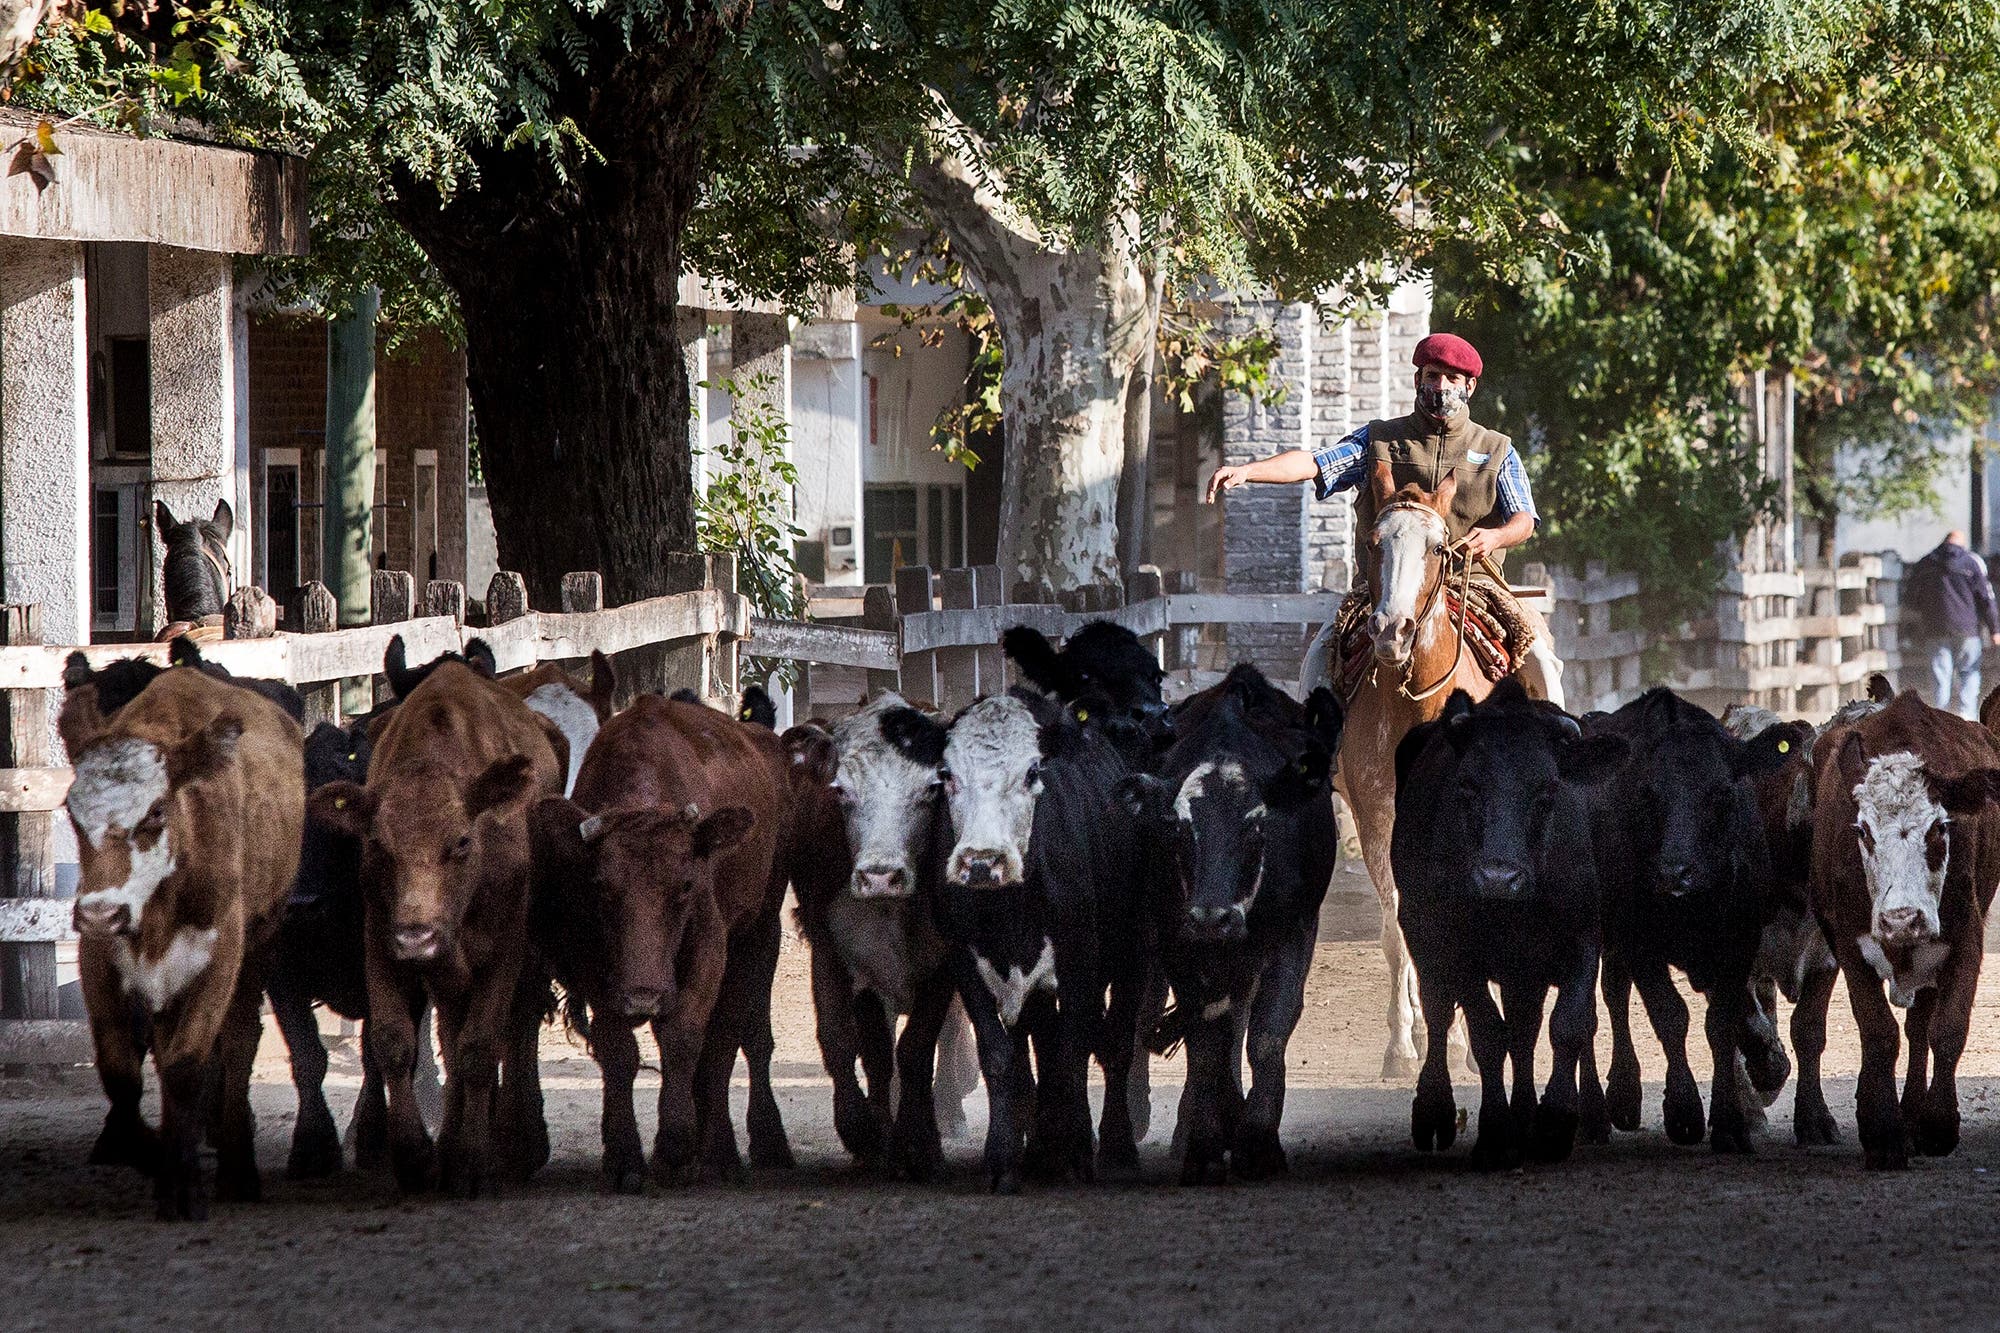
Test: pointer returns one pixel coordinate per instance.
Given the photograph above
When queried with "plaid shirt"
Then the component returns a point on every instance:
(1343, 465)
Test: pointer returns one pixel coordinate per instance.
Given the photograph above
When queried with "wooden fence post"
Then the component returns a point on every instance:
(878, 611)
(1183, 644)
(319, 614)
(506, 597)
(392, 599)
(29, 988)
(723, 671)
(250, 614)
(992, 662)
(913, 597)
(445, 597)
(1143, 585)
(957, 668)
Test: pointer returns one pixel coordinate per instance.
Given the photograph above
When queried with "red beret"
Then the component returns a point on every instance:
(1450, 351)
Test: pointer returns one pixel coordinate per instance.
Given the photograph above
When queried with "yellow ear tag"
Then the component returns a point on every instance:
(1784, 747)
(340, 802)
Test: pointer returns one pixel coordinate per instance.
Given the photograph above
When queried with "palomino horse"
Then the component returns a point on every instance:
(195, 571)
(1419, 660)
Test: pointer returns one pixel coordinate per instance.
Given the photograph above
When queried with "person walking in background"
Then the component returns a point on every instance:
(1949, 602)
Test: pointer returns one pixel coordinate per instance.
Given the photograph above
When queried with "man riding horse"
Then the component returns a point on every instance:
(1491, 507)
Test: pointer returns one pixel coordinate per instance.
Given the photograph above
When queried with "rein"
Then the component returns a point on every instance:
(1430, 605)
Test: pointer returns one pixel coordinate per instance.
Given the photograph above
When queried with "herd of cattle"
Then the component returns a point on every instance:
(1088, 874)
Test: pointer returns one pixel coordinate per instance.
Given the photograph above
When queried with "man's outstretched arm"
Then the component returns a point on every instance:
(1294, 465)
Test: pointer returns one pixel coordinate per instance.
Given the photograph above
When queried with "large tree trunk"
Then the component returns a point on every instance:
(568, 293)
(1072, 323)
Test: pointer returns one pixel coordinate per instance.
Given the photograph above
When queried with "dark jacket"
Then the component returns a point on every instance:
(1949, 596)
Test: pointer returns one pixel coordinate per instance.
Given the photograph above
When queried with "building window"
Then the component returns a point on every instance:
(119, 549)
(912, 525)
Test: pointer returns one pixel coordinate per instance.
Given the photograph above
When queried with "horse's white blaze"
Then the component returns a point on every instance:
(1405, 537)
(1894, 804)
(158, 981)
(1011, 992)
(574, 717)
(116, 785)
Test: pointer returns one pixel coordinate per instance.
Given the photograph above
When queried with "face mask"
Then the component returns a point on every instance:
(1443, 402)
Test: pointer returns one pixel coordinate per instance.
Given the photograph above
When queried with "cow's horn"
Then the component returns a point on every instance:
(691, 810)
(589, 829)
(1570, 725)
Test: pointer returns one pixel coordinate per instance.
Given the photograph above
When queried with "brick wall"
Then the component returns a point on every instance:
(420, 405)
(1264, 527)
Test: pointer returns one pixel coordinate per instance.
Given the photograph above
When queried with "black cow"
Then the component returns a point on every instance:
(1240, 808)
(1492, 856)
(118, 683)
(183, 652)
(1042, 892)
(403, 677)
(1681, 852)
(1105, 663)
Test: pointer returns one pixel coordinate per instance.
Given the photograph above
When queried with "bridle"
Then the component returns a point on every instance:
(1451, 550)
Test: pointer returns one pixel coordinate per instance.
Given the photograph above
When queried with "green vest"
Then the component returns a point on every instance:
(1417, 452)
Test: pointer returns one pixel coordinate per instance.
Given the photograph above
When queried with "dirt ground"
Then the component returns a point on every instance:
(1364, 1233)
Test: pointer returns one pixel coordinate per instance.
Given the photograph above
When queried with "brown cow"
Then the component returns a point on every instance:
(187, 807)
(1905, 857)
(577, 709)
(659, 889)
(445, 870)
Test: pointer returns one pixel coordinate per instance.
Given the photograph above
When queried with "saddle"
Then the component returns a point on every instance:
(1498, 630)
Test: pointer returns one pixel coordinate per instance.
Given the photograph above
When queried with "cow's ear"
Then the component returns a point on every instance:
(1968, 793)
(1879, 689)
(1300, 781)
(603, 681)
(1037, 658)
(504, 783)
(479, 656)
(223, 520)
(182, 652)
(1588, 762)
(1456, 710)
(1769, 750)
(917, 736)
(555, 836)
(814, 759)
(1853, 761)
(396, 666)
(1145, 797)
(76, 671)
(344, 807)
(81, 719)
(1325, 718)
(205, 753)
(1413, 743)
(722, 830)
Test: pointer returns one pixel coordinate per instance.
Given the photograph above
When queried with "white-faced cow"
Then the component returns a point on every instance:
(1041, 890)
(1242, 813)
(187, 806)
(1493, 860)
(1681, 852)
(876, 835)
(659, 889)
(1906, 855)
(445, 869)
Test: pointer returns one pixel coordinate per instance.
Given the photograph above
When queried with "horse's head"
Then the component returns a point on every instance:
(196, 567)
(1408, 544)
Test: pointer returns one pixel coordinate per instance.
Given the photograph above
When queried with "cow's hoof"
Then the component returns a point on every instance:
(1815, 1129)
(239, 1184)
(1554, 1135)
(187, 1202)
(1006, 1180)
(1936, 1133)
(1139, 1107)
(1258, 1155)
(315, 1150)
(1433, 1123)
(1731, 1139)
(1496, 1149)
(1400, 1066)
(1686, 1125)
(133, 1145)
(1622, 1098)
(860, 1130)
(412, 1169)
(1594, 1129)
(1200, 1168)
(772, 1154)
(626, 1180)
(531, 1149)
(1888, 1157)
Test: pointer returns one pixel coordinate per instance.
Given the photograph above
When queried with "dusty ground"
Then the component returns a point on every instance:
(1364, 1233)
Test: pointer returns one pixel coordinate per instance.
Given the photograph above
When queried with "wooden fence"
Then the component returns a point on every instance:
(1799, 643)
(932, 636)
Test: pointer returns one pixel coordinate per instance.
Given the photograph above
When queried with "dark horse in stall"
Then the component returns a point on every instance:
(196, 570)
